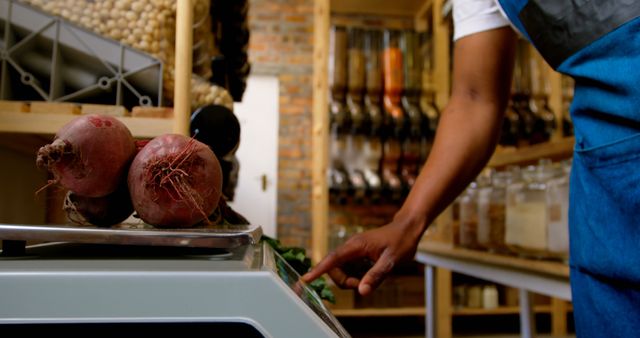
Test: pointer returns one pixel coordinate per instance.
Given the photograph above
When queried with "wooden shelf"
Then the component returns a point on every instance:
(554, 150)
(379, 312)
(19, 122)
(407, 8)
(539, 266)
(420, 311)
(147, 127)
(502, 310)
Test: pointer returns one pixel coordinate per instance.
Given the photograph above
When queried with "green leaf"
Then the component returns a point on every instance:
(274, 243)
(297, 258)
(321, 287)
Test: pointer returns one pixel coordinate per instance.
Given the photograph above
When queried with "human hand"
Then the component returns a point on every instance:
(386, 246)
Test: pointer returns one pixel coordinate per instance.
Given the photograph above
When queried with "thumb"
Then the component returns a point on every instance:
(376, 274)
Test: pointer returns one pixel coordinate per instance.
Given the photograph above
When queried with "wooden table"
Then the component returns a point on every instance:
(542, 277)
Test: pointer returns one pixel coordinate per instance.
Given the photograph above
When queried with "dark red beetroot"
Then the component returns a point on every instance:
(175, 182)
(100, 211)
(89, 155)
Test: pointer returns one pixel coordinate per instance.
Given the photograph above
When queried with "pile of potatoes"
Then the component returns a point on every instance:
(150, 26)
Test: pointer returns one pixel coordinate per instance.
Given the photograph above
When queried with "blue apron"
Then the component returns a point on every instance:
(597, 42)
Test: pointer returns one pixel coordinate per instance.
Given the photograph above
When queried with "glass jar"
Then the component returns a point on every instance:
(459, 296)
(339, 114)
(354, 161)
(372, 46)
(452, 228)
(557, 198)
(337, 174)
(393, 80)
(510, 126)
(356, 80)
(394, 116)
(469, 217)
(497, 209)
(484, 193)
(490, 297)
(338, 236)
(474, 297)
(526, 212)
(337, 60)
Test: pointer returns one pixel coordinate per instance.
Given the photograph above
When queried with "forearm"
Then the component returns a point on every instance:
(464, 143)
(469, 126)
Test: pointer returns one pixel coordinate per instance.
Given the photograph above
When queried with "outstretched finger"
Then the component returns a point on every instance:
(335, 259)
(376, 275)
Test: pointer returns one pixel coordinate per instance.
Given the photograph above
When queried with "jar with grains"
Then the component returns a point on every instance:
(496, 213)
(459, 296)
(484, 192)
(490, 297)
(338, 62)
(474, 297)
(526, 212)
(469, 217)
(558, 211)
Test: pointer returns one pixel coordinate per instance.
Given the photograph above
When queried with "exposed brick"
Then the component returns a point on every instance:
(302, 101)
(296, 18)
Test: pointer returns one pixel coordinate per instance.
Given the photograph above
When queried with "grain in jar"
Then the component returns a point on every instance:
(469, 217)
(497, 209)
(526, 212)
(557, 198)
(484, 193)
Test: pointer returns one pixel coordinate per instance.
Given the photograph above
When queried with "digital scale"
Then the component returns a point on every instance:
(220, 282)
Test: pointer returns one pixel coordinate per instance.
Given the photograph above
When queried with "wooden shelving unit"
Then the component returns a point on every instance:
(554, 268)
(420, 311)
(17, 121)
(503, 310)
(405, 8)
(422, 14)
(425, 14)
(521, 272)
(29, 123)
(380, 312)
(556, 149)
(22, 131)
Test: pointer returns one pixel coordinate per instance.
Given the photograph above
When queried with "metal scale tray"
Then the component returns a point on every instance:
(15, 237)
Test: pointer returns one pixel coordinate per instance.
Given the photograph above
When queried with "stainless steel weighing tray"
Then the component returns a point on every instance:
(14, 236)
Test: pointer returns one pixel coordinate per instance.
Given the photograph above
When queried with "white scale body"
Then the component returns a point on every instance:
(69, 288)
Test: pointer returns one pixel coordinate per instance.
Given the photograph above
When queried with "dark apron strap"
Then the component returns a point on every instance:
(560, 28)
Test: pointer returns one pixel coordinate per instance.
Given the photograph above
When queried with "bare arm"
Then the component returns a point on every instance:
(469, 125)
(466, 137)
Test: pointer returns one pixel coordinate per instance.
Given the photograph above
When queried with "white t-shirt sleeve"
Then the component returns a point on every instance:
(473, 16)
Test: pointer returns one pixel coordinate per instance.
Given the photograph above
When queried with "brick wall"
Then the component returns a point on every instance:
(281, 44)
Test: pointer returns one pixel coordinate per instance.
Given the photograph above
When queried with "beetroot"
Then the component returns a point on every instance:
(89, 155)
(175, 181)
(100, 211)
